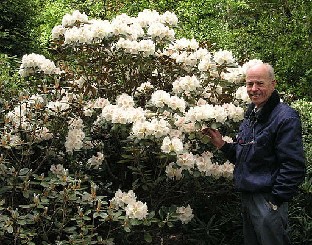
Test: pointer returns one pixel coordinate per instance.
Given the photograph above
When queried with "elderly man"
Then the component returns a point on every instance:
(268, 157)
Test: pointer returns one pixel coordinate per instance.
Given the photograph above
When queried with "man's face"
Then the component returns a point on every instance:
(259, 85)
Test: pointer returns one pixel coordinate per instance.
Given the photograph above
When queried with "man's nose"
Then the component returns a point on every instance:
(254, 87)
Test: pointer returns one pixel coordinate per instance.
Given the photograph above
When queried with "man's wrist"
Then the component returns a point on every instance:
(221, 145)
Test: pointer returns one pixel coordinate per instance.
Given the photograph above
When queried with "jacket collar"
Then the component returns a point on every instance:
(268, 107)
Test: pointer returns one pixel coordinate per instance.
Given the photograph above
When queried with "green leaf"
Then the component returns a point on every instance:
(71, 229)
(127, 229)
(192, 136)
(215, 125)
(170, 224)
(26, 194)
(5, 189)
(196, 174)
(10, 229)
(147, 237)
(205, 139)
(22, 222)
(23, 171)
(151, 214)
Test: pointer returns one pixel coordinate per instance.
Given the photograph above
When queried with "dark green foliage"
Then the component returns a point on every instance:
(10, 85)
(278, 32)
(300, 218)
(17, 21)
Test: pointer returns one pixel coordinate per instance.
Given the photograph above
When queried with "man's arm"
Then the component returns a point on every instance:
(290, 157)
(229, 149)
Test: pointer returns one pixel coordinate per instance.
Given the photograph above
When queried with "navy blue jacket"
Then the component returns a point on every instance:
(268, 151)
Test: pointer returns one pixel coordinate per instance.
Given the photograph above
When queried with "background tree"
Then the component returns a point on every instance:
(278, 32)
(17, 21)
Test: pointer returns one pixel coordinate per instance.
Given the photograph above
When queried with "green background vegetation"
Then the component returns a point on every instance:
(279, 32)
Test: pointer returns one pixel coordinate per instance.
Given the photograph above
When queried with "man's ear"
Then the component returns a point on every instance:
(274, 83)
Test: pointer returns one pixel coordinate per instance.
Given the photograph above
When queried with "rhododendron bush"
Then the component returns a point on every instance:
(110, 126)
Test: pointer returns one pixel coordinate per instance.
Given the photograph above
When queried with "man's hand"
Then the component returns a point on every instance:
(215, 137)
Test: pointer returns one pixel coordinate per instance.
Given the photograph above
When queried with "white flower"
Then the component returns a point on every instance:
(100, 103)
(169, 18)
(220, 114)
(172, 145)
(233, 75)
(32, 63)
(58, 31)
(223, 57)
(43, 133)
(75, 136)
(204, 112)
(186, 84)
(129, 46)
(123, 198)
(119, 27)
(101, 29)
(79, 35)
(147, 47)
(74, 140)
(122, 113)
(136, 31)
(155, 127)
(57, 106)
(75, 123)
(144, 87)
(136, 210)
(160, 98)
(241, 94)
(204, 164)
(176, 103)
(185, 214)
(159, 30)
(159, 127)
(147, 16)
(186, 160)
(108, 111)
(135, 114)
(124, 101)
(96, 161)
(234, 112)
(120, 116)
(183, 43)
(227, 139)
(227, 169)
(203, 53)
(173, 171)
(140, 129)
(73, 35)
(58, 169)
(206, 64)
(70, 19)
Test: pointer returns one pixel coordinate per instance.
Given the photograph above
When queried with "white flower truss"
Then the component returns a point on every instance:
(127, 200)
(32, 63)
(185, 214)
